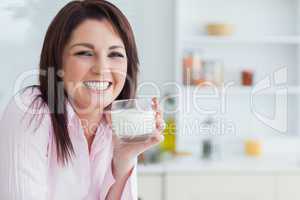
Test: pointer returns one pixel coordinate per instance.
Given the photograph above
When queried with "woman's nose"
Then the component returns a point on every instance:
(100, 66)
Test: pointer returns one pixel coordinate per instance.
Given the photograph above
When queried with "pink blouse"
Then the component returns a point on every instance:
(29, 168)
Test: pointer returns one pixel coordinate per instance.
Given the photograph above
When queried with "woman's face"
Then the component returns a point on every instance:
(94, 64)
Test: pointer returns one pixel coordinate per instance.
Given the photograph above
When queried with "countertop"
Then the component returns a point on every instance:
(250, 165)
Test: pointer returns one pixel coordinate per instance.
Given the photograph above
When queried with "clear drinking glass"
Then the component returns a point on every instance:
(133, 120)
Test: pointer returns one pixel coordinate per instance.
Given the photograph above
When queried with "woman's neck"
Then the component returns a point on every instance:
(89, 122)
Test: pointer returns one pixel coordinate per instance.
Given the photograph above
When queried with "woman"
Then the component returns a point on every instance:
(56, 138)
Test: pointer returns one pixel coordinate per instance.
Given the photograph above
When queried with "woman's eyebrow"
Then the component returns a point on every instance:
(116, 47)
(88, 45)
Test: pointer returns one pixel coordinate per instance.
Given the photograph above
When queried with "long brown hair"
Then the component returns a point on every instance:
(58, 34)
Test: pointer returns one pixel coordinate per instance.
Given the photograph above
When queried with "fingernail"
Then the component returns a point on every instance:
(162, 126)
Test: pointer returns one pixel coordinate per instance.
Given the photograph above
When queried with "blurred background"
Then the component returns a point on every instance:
(227, 75)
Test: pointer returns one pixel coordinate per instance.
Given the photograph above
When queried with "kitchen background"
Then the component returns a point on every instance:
(227, 76)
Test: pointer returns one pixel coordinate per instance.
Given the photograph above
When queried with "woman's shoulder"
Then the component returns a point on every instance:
(26, 107)
(23, 130)
(27, 95)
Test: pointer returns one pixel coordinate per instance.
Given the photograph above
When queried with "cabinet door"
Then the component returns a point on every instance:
(150, 187)
(220, 187)
(288, 187)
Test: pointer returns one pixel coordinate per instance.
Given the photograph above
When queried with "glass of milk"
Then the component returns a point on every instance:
(133, 120)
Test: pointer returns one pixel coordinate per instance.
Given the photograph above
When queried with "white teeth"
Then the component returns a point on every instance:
(97, 85)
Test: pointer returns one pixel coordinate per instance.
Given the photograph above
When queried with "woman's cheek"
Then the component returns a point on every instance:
(73, 75)
(119, 70)
(119, 80)
(119, 77)
(77, 69)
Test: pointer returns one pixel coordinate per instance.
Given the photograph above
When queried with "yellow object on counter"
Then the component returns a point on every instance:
(169, 143)
(253, 147)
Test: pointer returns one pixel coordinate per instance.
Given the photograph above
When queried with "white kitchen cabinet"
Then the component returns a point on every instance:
(150, 187)
(288, 187)
(220, 187)
(220, 184)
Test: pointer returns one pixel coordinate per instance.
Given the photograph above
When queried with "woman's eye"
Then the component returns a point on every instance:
(116, 54)
(84, 53)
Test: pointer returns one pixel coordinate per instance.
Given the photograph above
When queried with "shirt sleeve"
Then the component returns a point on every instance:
(23, 151)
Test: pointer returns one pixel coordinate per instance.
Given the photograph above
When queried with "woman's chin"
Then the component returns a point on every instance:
(95, 100)
(101, 100)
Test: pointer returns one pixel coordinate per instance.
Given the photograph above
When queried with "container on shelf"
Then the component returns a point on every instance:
(247, 77)
(213, 71)
(210, 149)
(219, 29)
(192, 69)
(200, 72)
(253, 147)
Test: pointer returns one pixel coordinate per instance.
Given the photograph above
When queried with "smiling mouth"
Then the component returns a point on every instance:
(97, 85)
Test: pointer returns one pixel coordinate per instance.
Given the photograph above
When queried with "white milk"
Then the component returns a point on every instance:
(132, 122)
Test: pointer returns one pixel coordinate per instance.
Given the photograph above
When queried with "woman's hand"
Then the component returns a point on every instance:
(125, 153)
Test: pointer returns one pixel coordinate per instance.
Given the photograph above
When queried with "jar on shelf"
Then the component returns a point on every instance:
(247, 77)
(192, 69)
(213, 71)
(253, 147)
(220, 29)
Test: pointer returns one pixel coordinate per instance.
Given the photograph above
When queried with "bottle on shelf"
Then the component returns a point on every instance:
(169, 143)
(213, 71)
(247, 77)
(192, 69)
(200, 71)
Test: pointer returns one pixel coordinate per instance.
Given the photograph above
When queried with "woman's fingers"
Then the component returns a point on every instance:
(153, 140)
(159, 122)
(156, 106)
(160, 125)
(154, 103)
